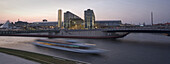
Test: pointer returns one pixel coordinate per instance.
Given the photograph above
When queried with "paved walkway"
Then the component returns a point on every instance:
(10, 59)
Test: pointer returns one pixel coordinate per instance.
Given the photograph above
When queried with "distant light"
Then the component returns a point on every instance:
(141, 25)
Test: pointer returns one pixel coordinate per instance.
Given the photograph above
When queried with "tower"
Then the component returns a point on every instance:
(59, 18)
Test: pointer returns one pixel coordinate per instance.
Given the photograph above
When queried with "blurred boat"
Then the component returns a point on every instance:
(167, 34)
(68, 45)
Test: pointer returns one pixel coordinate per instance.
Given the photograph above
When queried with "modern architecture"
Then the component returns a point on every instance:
(89, 19)
(77, 24)
(59, 18)
(68, 16)
(107, 23)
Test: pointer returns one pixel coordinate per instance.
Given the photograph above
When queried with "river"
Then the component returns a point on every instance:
(136, 48)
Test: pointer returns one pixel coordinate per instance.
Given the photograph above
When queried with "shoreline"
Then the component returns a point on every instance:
(41, 58)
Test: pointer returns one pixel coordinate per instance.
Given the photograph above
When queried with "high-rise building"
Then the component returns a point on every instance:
(68, 17)
(59, 18)
(89, 19)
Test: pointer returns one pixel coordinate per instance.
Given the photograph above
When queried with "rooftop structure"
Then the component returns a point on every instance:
(44, 20)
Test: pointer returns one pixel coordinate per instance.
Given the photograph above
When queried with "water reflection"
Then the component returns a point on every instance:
(133, 49)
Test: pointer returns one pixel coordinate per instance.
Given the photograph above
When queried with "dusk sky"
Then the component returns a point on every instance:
(129, 11)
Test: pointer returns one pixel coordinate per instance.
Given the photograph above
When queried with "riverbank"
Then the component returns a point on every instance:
(41, 58)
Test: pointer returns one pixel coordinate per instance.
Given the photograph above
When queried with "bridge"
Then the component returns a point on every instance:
(6, 32)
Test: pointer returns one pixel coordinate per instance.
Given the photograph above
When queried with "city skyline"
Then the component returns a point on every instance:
(129, 11)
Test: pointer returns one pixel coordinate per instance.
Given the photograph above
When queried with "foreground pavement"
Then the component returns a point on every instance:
(10, 59)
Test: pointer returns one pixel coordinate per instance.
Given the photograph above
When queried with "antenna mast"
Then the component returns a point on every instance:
(152, 18)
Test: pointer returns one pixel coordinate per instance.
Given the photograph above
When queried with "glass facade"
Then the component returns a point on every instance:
(68, 16)
(89, 19)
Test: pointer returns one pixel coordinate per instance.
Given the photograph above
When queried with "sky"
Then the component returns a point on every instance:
(129, 11)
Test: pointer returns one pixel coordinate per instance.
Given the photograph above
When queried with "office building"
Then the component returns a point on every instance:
(76, 24)
(89, 19)
(21, 23)
(108, 23)
(44, 25)
(68, 16)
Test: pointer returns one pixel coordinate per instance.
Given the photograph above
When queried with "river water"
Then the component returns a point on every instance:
(136, 48)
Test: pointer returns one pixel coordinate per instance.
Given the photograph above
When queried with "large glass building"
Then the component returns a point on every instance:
(68, 17)
(89, 19)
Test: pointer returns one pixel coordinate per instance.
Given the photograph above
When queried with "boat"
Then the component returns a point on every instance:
(68, 45)
(167, 34)
(88, 34)
(91, 34)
